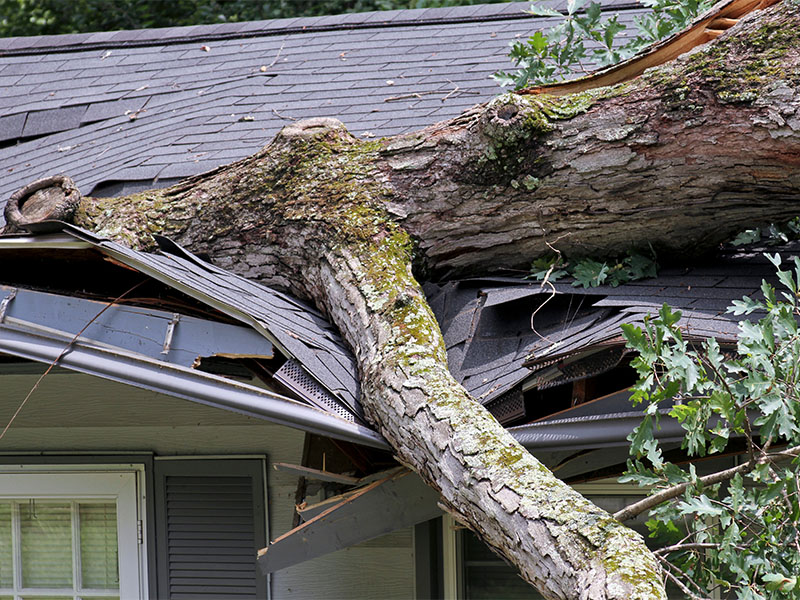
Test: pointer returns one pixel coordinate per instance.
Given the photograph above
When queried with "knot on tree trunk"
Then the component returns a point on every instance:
(509, 133)
(309, 129)
(52, 198)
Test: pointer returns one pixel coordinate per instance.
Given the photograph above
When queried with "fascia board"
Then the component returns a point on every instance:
(181, 382)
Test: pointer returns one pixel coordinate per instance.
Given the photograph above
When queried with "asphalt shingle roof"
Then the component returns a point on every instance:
(160, 104)
(493, 327)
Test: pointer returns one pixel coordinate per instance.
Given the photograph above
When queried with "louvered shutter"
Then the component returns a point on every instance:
(210, 523)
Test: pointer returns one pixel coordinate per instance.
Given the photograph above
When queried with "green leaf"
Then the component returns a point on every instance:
(663, 533)
(543, 11)
(668, 316)
(574, 6)
(538, 42)
(748, 236)
(593, 11)
(634, 336)
(543, 265)
(641, 266)
(700, 506)
(610, 29)
(589, 273)
(776, 582)
(745, 306)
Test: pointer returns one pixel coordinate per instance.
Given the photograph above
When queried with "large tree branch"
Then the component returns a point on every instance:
(340, 221)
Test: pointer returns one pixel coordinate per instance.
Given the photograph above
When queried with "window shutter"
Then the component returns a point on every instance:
(210, 523)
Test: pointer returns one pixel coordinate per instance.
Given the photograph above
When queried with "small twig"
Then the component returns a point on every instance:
(678, 582)
(450, 93)
(274, 60)
(692, 546)
(457, 89)
(280, 116)
(411, 95)
(546, 281)
(61, 355)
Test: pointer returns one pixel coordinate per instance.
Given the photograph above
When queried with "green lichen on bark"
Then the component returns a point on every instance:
(566, 107)
(738, 69)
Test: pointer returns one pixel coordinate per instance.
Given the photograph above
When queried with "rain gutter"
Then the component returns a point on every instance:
(205, 388)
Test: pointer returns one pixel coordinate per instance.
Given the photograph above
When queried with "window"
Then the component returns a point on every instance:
(70, 534)
(483, 575)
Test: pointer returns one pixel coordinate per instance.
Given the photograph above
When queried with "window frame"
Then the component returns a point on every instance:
(453, 544)
(121, 483)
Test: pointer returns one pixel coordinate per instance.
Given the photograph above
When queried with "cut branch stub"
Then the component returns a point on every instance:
(48, 199)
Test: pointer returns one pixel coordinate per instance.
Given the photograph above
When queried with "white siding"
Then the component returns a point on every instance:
(73, 413)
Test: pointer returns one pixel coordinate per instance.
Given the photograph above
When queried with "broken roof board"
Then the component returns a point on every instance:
(142, 371)
(296, 328)
(118, 112)
(159, 376)
(170, 337)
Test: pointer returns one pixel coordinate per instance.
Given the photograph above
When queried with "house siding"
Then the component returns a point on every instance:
(80, 419)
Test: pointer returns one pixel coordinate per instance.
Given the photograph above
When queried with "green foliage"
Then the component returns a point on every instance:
(585, 34)
(772, 234)
(47, 17)
(588, 272)
(741, 534)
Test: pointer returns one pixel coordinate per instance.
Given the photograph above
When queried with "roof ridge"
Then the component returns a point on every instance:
(15, 46)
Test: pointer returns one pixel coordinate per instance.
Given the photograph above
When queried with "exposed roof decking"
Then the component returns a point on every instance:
(486, 323)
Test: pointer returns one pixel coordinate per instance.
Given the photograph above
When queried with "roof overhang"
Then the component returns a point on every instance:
(139, 370)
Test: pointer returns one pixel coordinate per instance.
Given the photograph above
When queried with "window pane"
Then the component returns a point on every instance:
(6, 564)
(99, 562)
(46, 544)
(487, 577)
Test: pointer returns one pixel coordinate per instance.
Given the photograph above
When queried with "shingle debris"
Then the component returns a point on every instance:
(501, 331)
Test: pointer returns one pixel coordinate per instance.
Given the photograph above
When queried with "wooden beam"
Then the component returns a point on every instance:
(399, 500)
(316, 474)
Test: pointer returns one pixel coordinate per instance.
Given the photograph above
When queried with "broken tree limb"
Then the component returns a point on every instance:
(709, 25)
(678, 159)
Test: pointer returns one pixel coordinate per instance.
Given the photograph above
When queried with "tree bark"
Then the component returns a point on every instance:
(679, 159)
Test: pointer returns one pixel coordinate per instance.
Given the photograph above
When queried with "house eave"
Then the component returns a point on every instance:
(196, 386)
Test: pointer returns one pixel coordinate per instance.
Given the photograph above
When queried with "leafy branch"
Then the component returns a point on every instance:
(588, 272)
(740, 526)
(583, 34)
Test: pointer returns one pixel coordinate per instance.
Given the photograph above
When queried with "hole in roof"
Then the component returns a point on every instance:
(119, 187)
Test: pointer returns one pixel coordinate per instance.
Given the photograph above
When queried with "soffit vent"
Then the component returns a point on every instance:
(580, 366)
(508, 407)
(295, 377)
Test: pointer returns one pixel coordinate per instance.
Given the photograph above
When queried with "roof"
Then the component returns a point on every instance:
(503, 331)
(122, 111)
(163, 350)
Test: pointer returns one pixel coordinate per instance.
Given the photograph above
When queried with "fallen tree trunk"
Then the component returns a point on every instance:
(680, 159)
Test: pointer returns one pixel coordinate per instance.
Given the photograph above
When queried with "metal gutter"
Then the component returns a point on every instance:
(59, 241)
(594, 431)
(180, 382)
